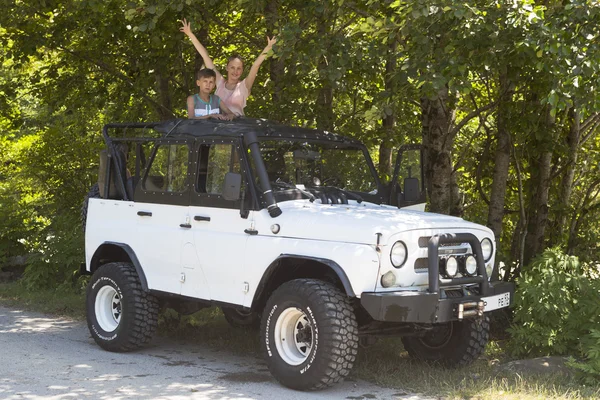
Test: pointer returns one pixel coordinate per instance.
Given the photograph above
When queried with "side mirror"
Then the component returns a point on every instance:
(412, 192)
(232, 186)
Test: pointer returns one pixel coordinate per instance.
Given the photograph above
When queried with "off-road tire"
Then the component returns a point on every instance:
(93, 193)
(455, 344)
(330, 323)
(137, 310)
(240, 319)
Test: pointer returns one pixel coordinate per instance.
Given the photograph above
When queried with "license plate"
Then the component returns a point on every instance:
(496, 302)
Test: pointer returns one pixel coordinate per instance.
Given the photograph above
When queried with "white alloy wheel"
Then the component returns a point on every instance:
(108, 308)
(293, 336)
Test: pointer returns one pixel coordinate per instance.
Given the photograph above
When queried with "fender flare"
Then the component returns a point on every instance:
(130, 253)
(335, 267)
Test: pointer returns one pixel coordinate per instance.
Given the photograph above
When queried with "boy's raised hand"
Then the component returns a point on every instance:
(186, 28)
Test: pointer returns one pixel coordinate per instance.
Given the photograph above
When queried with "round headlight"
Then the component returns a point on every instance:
(487, 248)
(398, 254)
(388, 279)
(451, 267)
(471, 265)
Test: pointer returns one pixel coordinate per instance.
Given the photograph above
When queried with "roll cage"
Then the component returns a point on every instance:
(117, 181)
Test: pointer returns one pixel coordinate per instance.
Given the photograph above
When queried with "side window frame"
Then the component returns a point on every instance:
(162, 197)
(200, 199)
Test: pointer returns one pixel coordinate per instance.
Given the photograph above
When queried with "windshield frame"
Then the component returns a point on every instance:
(340, 144)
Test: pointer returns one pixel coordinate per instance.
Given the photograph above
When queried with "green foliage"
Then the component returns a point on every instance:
(589, 366)
(557, 310)
(68, 67)
(57, 254)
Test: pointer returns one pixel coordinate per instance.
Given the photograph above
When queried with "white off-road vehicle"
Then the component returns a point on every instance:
(286, 228)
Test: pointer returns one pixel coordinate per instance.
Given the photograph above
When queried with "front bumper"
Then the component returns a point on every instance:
(425, 307)
(445, 299)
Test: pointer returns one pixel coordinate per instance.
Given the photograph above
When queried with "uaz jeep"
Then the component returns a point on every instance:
(286, 228)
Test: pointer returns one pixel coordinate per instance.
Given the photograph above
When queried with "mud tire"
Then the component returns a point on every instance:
(121, 316)
(315, 312)
(455, 344)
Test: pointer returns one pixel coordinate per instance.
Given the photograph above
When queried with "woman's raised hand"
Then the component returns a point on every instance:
(270, 42)
(186, 28)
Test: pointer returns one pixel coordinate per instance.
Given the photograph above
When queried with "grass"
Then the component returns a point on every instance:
(61, 301)
(385, 363)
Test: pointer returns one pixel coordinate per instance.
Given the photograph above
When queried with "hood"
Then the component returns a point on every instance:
(354, 223)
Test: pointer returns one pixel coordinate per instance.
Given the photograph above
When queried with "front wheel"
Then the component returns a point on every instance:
(121, 316)
(453, 344)
(309, 334)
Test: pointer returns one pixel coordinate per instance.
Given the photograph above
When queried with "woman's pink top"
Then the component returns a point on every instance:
(234, 99)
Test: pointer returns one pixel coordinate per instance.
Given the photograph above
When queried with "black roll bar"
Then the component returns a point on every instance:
(434, 262)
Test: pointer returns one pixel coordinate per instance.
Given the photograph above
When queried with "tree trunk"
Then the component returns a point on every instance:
(324, 103)
(563, 208)
(540, 219)
(501, 161)
(276, 66)
(436, 120)
(164, 109)
(388, 122)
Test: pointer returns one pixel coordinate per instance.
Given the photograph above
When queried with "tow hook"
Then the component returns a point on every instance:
(470, 309)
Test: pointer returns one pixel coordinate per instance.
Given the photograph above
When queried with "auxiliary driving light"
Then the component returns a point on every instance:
(449, 266)
(452, 266)
(470, 265)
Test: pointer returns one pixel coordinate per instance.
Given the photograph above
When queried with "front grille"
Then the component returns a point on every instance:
(421, 265)
(424, 242)
(453, 293)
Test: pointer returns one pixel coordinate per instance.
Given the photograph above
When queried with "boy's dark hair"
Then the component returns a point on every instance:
(205, 73)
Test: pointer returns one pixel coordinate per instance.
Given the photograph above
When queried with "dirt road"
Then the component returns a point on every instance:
(45, 357)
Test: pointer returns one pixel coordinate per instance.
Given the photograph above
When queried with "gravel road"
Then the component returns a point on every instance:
(44, 357)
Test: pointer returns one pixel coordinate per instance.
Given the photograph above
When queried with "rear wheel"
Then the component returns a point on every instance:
(309, 334)
(454, 344)
(120, 315)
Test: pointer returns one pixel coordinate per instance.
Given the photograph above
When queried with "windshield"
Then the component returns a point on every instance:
(300, 166)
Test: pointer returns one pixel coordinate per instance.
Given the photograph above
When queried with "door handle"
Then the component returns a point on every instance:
(201, 218)
(144, 213)
(188, 226)
(251, 231)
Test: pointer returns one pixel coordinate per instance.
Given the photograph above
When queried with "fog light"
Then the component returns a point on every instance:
(471, 265)
(388, 279)
(489, 268)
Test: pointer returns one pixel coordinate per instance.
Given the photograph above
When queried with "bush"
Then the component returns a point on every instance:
(57, 254)
(557, 311)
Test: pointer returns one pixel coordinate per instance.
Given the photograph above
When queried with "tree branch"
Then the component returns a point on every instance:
(590, 133)
(112, 71)
(472, 115)
(589, 121)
